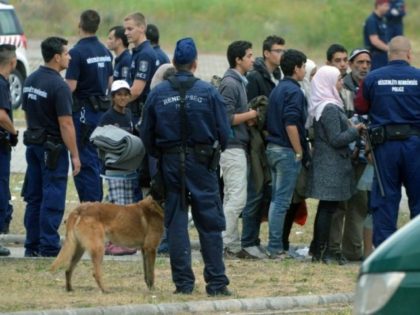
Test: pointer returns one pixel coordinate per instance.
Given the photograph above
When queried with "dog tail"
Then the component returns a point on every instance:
(69, 247)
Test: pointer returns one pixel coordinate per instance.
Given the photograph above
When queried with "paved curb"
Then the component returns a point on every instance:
(206, 307)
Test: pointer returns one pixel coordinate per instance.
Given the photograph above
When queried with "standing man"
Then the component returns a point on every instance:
(346, 236)
(391, 97)
(8, 133)
(185, 125)
(287, 146)
(89, 76)
(394, 18)
(143, 63)
(118, 43)
(47, 104)
(233, 161)
(375, 34)
(152, 34)
(261, 81)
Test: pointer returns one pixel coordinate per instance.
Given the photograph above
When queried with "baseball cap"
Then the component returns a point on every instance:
(185, 51)
(118, 85)
(358, 51)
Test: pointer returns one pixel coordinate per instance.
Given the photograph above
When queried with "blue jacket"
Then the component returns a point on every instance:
(287, 106)
(391, 95)
(206, 116)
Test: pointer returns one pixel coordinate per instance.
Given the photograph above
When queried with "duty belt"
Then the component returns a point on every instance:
(177, 150)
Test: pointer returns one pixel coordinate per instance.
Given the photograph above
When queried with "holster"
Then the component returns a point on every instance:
(215, 158)
(52, 150)
(157, 185)
(100, 103)
(377, 135)
(34, 136)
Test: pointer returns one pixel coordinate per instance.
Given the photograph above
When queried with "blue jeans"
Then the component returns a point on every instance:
(284, 173)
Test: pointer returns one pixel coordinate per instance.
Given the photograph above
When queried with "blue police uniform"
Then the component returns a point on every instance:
(393, 95)
(376, 25)
(91, 67)
(45, 98)
(122, 66)
(160, 131)
(5, 156)
(161, 56)
(394, 18)
(143, 66)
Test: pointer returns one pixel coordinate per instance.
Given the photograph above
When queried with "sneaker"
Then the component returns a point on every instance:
(115, 250)
(228, 254)
(4, 251)
(251, 252)
(222, 292)
(340, 259)
(278, 256)
(183, 291)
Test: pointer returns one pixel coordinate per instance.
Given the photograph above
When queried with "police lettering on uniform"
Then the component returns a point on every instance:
(50, 130)
(8, 136)
(143, 63)
(184, 121)
(89, 75)
(391, 97)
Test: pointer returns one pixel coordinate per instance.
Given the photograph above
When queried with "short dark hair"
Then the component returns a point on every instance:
(272, 40)
(184, 67)
(237, 49)
(290, 59)
(89, 21)
(52, 46)
(152, 33)
(7, 52)
(335, 48)
(119, 32)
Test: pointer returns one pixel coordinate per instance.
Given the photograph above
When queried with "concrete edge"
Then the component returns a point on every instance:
(203, 307)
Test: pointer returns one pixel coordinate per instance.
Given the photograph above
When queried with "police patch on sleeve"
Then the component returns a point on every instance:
(143, 66)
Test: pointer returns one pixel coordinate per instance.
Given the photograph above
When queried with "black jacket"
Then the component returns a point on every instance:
(259, 80)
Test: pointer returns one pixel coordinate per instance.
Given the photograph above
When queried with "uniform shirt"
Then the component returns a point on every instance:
(161, 56)
(286, 107)
(5, 101)
(375, 25)
(46, 96)
(143, 66)
(120, 120)
(391, 95)
(91, 67)
(206, 116)
(122, 66)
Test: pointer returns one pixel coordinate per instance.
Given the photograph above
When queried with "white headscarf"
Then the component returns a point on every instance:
(324, 91)
(306, 82)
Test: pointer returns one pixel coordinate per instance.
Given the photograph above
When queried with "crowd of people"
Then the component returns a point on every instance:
(275, 130)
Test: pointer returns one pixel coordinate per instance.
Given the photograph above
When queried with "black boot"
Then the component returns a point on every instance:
(288, 223)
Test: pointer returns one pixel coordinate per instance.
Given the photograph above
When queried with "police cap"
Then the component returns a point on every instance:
(185, 51)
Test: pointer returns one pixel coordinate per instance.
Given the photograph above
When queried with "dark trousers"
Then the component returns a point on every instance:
(45, 195)
(322, 227)
(5, 208)
(207, 213)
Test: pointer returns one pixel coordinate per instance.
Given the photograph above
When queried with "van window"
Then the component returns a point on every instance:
(9, 24)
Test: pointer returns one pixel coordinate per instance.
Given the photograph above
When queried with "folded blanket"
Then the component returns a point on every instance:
(118, 149)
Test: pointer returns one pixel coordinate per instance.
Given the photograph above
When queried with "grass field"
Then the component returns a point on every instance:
(310, 25)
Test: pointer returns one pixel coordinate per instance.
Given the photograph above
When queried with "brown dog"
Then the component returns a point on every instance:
(88, 226)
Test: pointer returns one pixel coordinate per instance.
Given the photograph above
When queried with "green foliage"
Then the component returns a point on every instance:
(305, 24)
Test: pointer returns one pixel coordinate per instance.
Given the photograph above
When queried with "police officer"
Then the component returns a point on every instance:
(391, 96)
(184, 136)
(143, 64)
(152, 34)
(8, 133)
(118, 43)
(89, 75)
(47, 104)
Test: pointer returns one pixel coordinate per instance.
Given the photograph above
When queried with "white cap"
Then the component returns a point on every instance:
(118, 85)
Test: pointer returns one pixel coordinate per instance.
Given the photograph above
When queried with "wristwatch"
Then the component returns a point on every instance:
(298, 156)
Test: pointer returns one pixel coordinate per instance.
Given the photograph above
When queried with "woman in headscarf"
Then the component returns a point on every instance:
(330, 177)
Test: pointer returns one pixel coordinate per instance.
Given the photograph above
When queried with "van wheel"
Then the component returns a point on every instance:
(16, 88)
